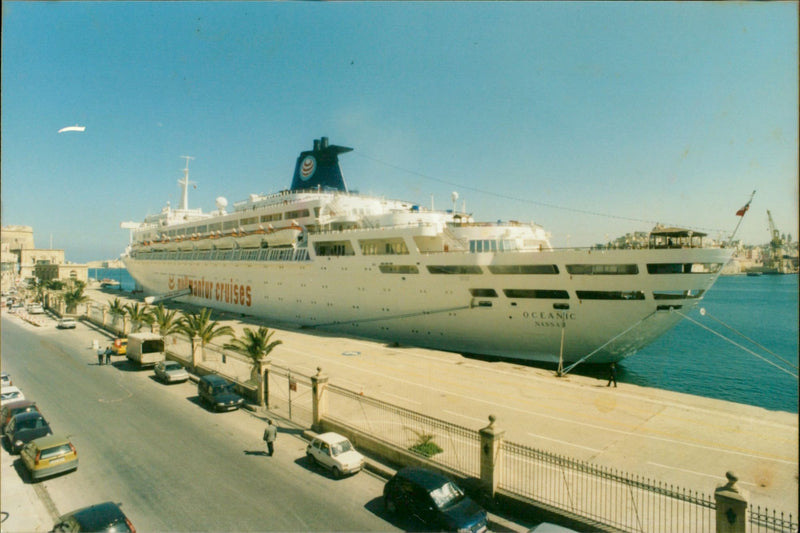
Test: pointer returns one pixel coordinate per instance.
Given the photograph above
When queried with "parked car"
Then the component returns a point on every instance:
(101, 517)
(25, 427)
(48, 456)
(6, 379)
(434, 500)
(67, 323)
(14, 408)
(10, 393)
(334, 452)
(120, 346)
(171, 372)
(218, 393)
(35, 309)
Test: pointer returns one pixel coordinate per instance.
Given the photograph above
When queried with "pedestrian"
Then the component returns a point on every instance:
(108, 355)
(613, 376)
(100, 356)
(270, 434)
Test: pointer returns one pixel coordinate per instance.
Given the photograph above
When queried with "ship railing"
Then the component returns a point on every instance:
(234, 254)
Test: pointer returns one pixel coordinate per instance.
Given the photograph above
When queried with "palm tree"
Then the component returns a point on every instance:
(73, 297)
(254, 344)
(167, 319)
(257, 346)
(138, 314)
(116, 309)
(201, 325)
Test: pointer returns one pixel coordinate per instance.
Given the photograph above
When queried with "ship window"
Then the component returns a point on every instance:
(383, 247)
(610, 295)
(333, 248)
(215, 227)
(300, 213)
(602, 269)
(535, 293)
(677, 295)
(271, 217)
(523, 269)
(683, 268)
(399, 269)
(230, 224)
(248, 221)
(201, 229)
(454, 269)
(483, 293)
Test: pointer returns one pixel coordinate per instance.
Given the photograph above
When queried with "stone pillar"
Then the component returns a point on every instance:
(155, 328)
(731, 506)
(105, 317)
(126, 325)
(89, 311)
(197, 347)
(319, 400)
(491, 457)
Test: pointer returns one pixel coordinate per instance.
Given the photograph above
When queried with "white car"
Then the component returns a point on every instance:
(7, 379)
(67, 323)
(334, 452)
(171, 372)
(35, 309)
(10, 393)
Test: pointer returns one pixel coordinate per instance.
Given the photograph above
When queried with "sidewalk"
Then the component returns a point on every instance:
(22, 507)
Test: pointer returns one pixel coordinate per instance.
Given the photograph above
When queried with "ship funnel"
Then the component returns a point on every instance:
(319, 168)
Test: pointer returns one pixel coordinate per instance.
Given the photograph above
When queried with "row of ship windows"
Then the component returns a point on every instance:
(578, 270)
(551, 294)
(237, 223)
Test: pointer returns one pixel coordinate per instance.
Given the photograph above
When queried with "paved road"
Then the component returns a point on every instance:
(174, 465)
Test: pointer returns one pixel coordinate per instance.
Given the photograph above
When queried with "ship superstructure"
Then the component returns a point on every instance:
(318, 255)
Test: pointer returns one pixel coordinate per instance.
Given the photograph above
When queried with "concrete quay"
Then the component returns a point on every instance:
(678, 439)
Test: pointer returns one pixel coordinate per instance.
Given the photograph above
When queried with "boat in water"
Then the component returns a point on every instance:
(320, 256)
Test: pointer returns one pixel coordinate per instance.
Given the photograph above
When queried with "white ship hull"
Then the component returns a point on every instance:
(391, 271)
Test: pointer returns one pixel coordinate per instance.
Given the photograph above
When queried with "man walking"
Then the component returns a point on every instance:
(613, 376)
(270, 434)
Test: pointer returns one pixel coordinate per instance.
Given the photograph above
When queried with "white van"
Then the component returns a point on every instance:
(146, 349)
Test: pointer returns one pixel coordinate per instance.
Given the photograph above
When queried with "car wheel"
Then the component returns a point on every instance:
(336, 472)
(311, 459)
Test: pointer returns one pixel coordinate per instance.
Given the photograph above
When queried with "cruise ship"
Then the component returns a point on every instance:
(320, 256)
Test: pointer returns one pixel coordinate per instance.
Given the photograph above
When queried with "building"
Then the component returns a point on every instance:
(22, 260)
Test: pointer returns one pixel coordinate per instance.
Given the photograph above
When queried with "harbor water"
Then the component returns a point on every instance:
(693, 360)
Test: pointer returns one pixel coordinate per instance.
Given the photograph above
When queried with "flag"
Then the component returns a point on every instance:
(742, 211)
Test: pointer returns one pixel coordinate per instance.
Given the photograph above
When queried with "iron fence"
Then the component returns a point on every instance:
(765, 521)
(607, 496)
(290, 394)
(460, 447)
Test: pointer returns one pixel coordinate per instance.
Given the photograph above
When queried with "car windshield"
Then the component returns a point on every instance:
(55, 451)
(447, 494)
(172, 366)
(33, 423)
(341, 447)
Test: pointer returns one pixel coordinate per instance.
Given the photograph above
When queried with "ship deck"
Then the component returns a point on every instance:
(679, 439)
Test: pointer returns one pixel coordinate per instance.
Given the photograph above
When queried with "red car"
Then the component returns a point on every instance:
(15, 408)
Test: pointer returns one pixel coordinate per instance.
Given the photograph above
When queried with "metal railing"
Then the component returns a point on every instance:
(405, 428)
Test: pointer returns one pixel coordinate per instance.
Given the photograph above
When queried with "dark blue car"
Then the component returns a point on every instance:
(434, 500)
(23, 428)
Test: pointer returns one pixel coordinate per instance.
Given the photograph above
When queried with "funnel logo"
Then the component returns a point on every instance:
(308, 167)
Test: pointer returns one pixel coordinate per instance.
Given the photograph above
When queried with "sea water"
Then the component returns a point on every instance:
(693, 360)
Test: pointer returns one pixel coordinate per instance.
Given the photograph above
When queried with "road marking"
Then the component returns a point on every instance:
(696, 473)
(567, 443)
(484, 420)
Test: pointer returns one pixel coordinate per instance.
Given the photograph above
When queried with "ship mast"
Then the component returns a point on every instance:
(184, 183)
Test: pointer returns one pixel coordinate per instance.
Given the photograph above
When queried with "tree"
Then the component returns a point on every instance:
(138, 314)
(257, 346)
(200, 325)
(254, 344)
(167, 319)
(74, 296)
(116, 309)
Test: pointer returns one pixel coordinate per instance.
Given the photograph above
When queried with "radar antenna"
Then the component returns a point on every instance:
(184, 183)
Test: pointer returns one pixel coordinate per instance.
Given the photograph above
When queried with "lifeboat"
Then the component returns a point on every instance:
(286, 236)
(251, 239)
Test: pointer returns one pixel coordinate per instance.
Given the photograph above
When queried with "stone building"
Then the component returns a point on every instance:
(22, 260)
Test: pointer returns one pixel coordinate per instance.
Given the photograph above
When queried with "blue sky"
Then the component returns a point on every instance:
(592, 119)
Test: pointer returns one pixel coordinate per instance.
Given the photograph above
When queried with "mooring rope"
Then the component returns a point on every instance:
(751, 352)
